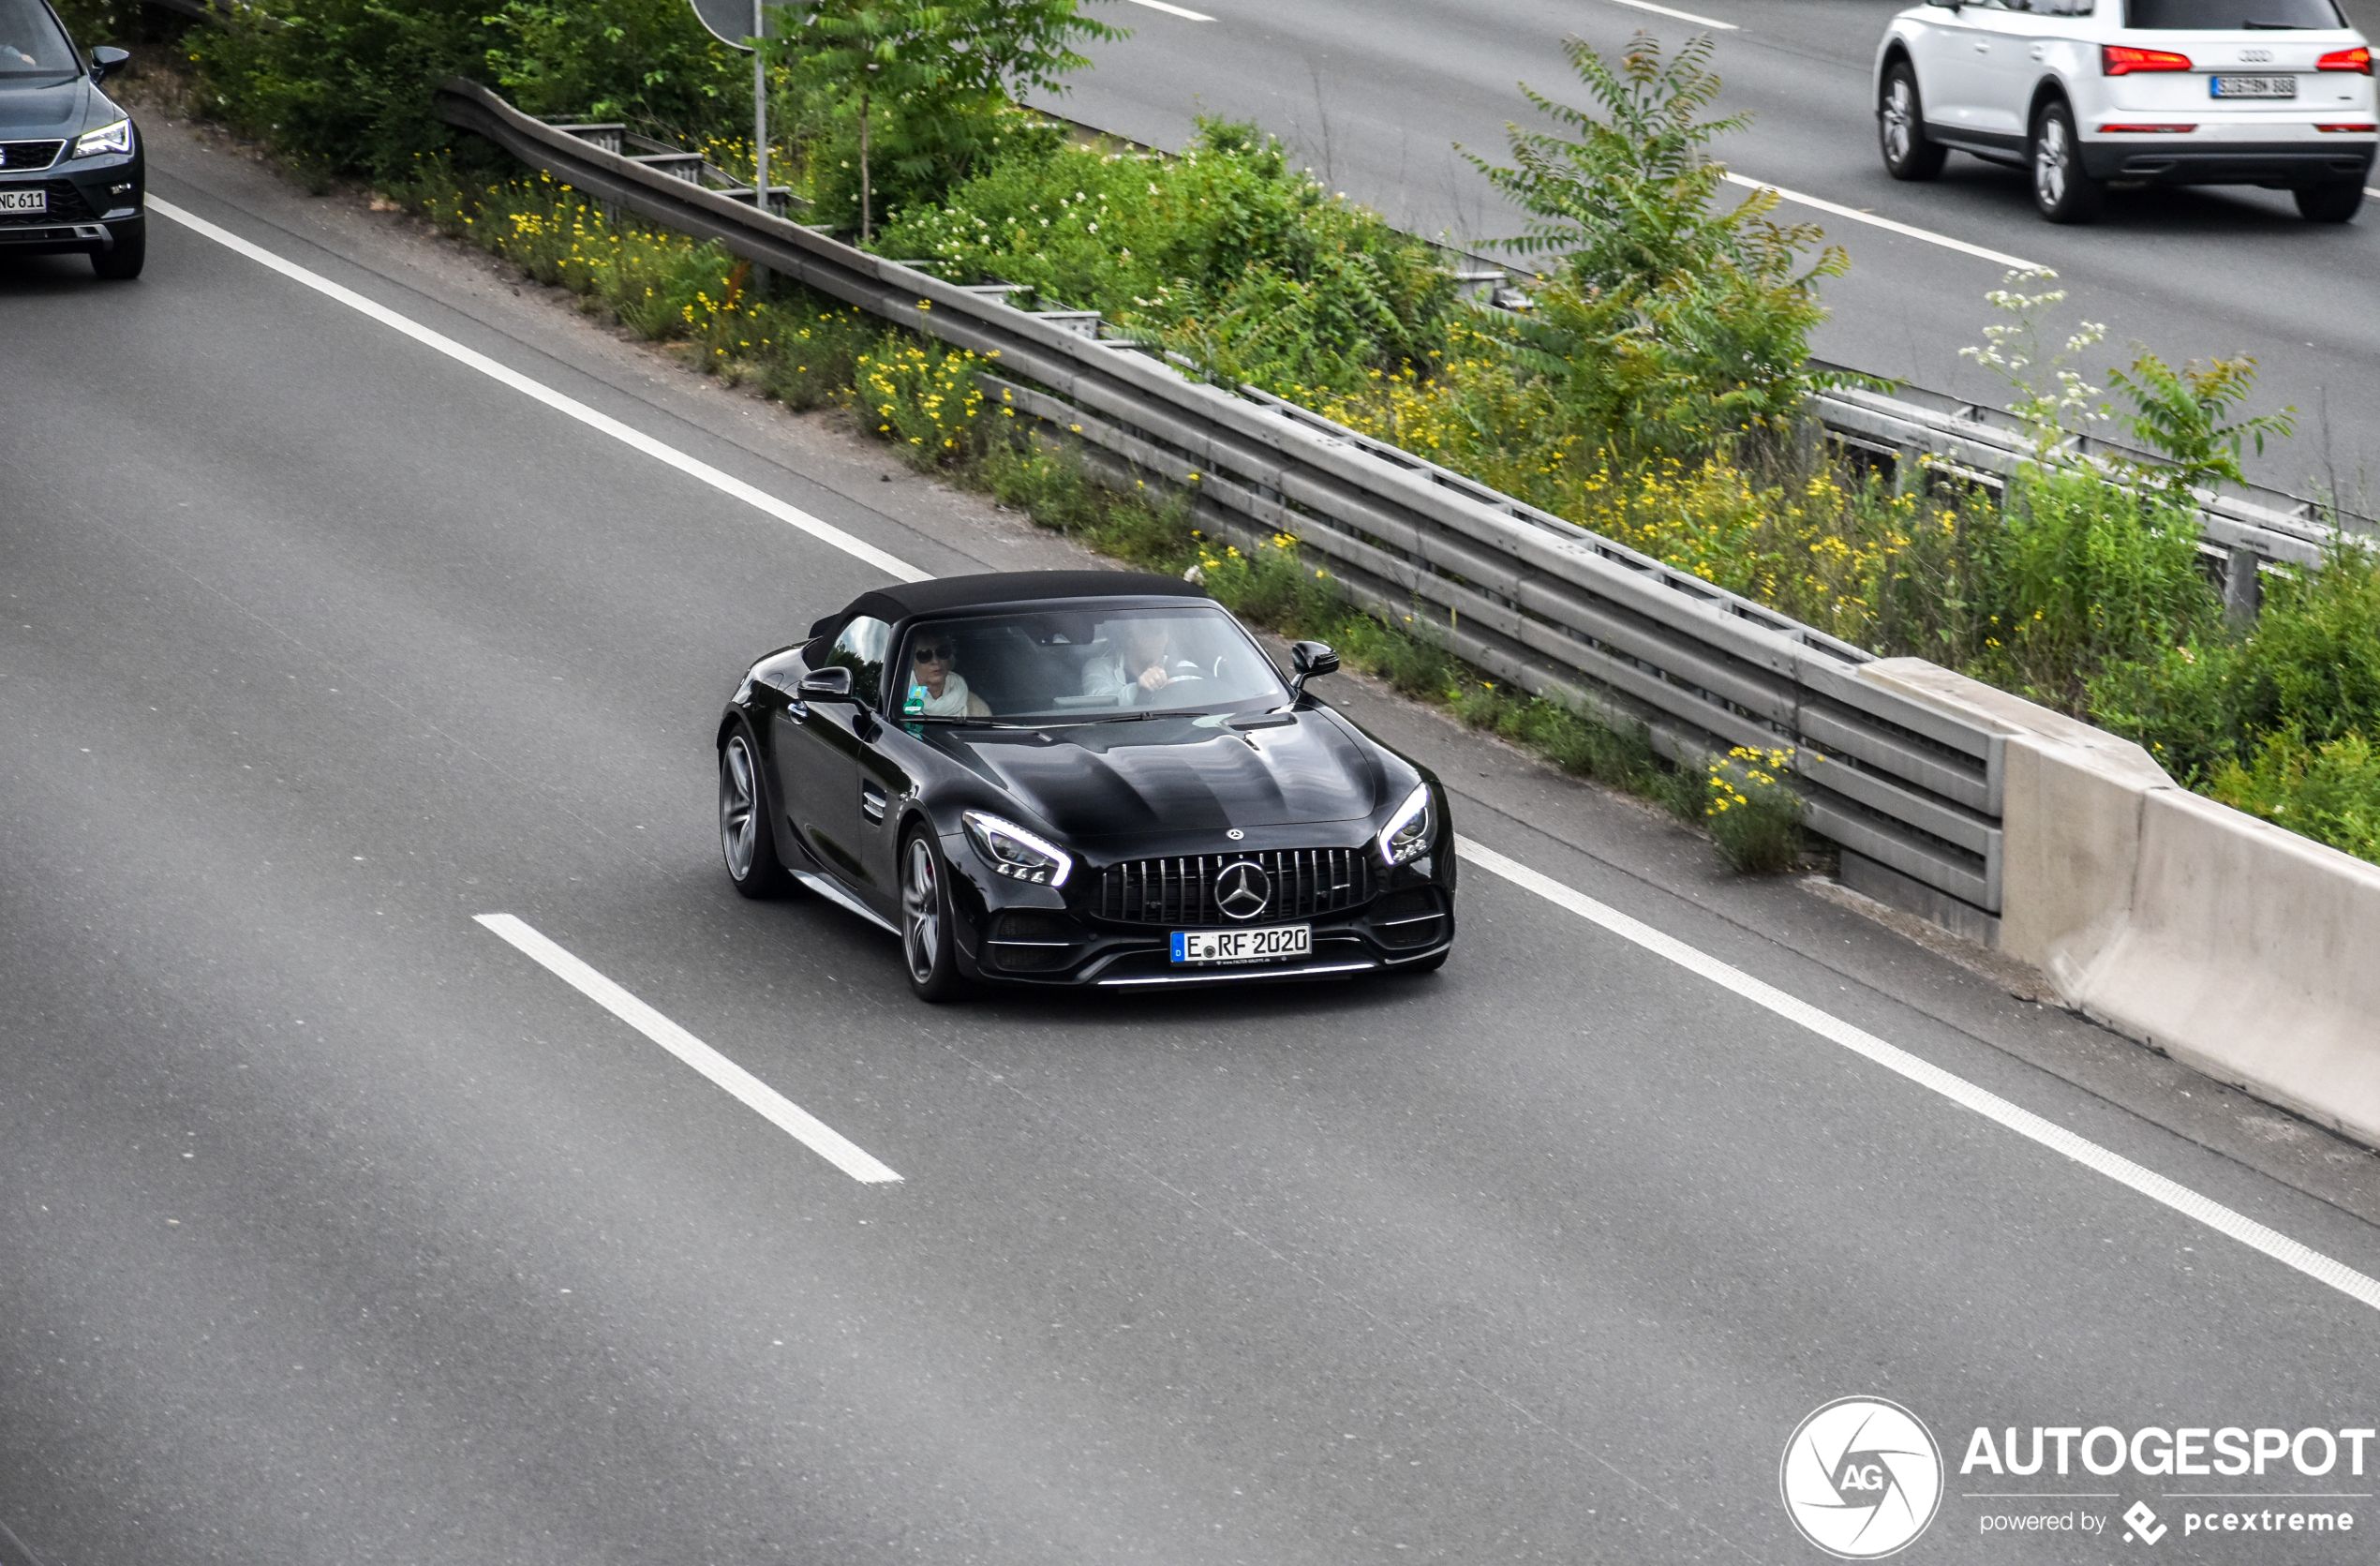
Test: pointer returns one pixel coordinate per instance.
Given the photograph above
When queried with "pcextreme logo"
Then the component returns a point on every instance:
(1861, 1478)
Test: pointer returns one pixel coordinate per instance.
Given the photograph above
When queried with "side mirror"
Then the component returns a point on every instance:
(1309, 659)
(831, 684)
(106, 60)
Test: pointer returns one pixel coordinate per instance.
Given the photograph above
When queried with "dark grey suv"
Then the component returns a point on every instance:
(71, 173)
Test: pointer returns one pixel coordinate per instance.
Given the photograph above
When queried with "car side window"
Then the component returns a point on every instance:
(861, 650)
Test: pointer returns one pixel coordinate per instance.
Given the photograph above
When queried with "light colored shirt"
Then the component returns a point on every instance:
(956, 700)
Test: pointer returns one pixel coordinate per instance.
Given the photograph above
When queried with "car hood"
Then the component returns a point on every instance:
(1119, 779)
(58, 107)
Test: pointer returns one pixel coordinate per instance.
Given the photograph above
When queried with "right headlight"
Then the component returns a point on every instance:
(1406, 837)
(108, 138)
(1016, 852)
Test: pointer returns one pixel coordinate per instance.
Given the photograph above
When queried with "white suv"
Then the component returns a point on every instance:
(2277, 93)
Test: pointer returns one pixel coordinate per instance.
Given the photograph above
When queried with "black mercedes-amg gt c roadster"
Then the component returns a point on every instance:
(1080, 778)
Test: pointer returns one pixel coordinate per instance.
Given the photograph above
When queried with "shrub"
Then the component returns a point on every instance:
(1754, 816)
(916, 90)
(2329, 791)
(1226, 254)
(1668, 321)
(2080, 574)
(923, 397)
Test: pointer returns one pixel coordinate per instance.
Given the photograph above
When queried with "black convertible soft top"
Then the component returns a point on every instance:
(942, 595)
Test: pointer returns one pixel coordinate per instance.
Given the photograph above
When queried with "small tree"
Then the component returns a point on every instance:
(2186, 414)
(925, 68)
(1666, 319)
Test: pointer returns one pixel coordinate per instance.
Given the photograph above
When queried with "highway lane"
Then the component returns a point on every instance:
(1374, 95)
(1538, 1260)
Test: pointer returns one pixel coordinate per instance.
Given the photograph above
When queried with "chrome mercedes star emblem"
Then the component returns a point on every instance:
(1235, 834)
(1243, 889)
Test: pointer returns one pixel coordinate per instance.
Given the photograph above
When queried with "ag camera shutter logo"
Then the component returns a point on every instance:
(1862, 1478)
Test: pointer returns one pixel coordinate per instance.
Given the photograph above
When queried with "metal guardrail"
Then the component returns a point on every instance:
(1541, 601)
(1918, 431)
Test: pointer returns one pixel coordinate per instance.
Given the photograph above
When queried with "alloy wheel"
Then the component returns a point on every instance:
(2052, 154)
(1900, 118)
(921, 911)
(738, 818)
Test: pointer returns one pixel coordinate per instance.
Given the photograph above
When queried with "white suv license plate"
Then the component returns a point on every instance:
(1243, 946)
(2252, 86)
(24, 200)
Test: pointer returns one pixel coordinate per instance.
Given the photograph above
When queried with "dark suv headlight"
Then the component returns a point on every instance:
(108, 138)
(1016, 852)
(1406, 837)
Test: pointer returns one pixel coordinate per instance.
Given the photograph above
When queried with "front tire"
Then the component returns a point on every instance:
(122, 262)
(1901, 128)
(2062, 191)
(927, 952)
(2329, 203)
(745, 839)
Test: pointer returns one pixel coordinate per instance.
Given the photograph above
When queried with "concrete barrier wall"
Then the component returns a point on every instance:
(2250, 952)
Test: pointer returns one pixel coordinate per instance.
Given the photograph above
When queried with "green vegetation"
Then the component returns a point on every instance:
(911, 95)
(1754, 816)
(1227, 255)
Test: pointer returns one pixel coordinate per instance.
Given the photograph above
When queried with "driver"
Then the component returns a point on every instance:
(1138, 664)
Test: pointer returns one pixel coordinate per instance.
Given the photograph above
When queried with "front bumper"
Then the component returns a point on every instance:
(1040, 937)
(2179, 160)
(94, 204)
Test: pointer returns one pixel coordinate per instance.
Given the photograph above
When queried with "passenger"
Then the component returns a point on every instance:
(937, 689)
(1139, 665)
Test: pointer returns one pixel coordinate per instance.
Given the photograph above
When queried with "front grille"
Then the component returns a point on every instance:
(29, 155)
(66, 205)
(1305, 882)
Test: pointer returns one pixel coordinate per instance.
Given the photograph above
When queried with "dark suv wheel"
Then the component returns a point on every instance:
(2329, 203)
(1901, 126)
(2062, 191)
(123, 261)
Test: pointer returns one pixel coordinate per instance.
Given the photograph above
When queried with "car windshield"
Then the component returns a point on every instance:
(31, 41)
(1064, 664)
(2228, 15)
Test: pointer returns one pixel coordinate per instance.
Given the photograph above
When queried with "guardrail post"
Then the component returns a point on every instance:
(2242, 591)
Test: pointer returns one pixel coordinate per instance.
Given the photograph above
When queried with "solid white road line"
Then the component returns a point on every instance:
(1957, 1089)
(2014, 263)
(1682, 16)
(749, 1090)
(759, 500)
(1174, 10)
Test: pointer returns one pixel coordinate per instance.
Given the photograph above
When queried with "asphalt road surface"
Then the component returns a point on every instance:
(333, 1227)
(1375, 94)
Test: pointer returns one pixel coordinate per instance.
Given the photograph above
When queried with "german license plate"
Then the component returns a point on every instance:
(24, 200)
(2253, 86)
(1243, 946)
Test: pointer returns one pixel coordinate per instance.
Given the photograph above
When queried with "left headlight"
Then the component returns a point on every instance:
(108, 138)
(1016, 853)
(1406, 837)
